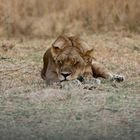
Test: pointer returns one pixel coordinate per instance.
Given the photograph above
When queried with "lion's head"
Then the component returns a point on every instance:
(71, 58)
(70, 64)
(63, 42)
(68, 61)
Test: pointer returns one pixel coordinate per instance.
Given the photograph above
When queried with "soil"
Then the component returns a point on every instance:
(31, 110)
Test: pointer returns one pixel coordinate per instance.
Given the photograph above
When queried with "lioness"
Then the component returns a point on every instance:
(70, 58)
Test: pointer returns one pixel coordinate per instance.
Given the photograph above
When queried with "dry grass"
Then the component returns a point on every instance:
(45, 18)
(31, 111)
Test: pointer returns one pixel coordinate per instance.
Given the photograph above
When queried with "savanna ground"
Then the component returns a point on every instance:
(30, 110)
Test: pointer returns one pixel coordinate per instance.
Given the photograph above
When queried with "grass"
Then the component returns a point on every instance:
(47, 18)
(32, 111)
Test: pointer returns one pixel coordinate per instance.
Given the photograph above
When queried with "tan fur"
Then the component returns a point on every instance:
(69, 58)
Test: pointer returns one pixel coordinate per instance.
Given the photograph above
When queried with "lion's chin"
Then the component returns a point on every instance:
(64, 80)
(69, 78)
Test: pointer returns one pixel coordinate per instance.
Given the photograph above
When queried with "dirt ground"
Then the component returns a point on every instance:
(30, 110)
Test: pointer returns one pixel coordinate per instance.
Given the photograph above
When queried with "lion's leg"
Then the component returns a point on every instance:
(48, 75)
(48, 72)
(87, 78)
(45, 64)
(51, 77)
(43, 73)
(88, 72)
(100, 71)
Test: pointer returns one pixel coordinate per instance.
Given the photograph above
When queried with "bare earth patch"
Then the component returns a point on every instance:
(33, 111)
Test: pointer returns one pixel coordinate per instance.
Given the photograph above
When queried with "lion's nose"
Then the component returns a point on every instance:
(65, 74)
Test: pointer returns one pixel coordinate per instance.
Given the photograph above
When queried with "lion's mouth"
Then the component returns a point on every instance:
(79, 78)
(64, 80)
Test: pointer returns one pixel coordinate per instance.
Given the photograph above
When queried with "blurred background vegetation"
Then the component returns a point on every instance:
(46, 18)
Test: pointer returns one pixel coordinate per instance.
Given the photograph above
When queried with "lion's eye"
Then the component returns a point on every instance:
(59, 62)
(76, 63)
(56, 48)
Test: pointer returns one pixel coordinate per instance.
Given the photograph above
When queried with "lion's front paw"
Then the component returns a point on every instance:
(118, 78)
(94, 81)
(70, 84)
(91, 84)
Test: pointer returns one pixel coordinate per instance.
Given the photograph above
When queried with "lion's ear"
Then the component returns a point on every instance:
(85, 48)
(58, 43)
(89, 54)
(61, 42)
